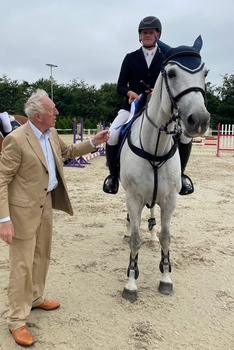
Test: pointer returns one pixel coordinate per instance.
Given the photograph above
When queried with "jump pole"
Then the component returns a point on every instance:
(81, 159)
(101, 126)
(225, 141)
(78, 163)
(101, 151)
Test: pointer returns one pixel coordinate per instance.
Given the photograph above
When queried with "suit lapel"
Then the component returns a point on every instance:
(54, 146)
(142, 58)
(35, 144)
(155, 58)
(54, 142)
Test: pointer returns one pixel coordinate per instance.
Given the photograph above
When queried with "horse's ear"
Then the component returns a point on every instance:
(164, 47)
(198, 43)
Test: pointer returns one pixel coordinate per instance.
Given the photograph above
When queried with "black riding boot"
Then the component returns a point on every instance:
(184, 151)
(111, 183)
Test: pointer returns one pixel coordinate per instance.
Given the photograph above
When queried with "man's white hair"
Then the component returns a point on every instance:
(34, 104)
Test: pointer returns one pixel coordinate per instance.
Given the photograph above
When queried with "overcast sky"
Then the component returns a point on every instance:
(88, 40)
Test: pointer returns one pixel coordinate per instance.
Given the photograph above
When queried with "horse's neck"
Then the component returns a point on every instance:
(150, 130)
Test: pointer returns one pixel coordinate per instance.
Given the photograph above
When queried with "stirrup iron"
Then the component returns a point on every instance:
(111, 185)
(190, 187)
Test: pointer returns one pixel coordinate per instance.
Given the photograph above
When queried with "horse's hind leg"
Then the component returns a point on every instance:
(127, 237)
(152, 226)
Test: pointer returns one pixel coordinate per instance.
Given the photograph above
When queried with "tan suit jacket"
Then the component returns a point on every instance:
(24, 178)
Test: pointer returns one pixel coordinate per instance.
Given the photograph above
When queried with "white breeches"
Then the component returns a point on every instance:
(6, 122)
(120, 119)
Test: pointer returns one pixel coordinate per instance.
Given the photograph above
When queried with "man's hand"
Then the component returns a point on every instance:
(7, 231)
(100, 137)
(132, 96)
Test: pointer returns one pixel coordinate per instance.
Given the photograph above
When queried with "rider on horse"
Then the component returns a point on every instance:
(139, 68)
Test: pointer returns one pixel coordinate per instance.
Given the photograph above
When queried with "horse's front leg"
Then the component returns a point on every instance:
(165, 285)
(130, 289)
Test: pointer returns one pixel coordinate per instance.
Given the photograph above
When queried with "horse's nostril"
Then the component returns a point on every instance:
(191, 120)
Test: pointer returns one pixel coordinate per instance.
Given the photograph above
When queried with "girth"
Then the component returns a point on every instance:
(146, 155)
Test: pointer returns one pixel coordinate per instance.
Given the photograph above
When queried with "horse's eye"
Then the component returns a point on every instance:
(171, 73)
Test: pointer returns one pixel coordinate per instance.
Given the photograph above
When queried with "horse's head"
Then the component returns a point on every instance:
(184, 77)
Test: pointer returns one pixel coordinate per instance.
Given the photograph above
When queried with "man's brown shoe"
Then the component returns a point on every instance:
(47, 305)
(23, 336)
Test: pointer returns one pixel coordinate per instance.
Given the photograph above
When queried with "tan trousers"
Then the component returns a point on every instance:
(29, 263)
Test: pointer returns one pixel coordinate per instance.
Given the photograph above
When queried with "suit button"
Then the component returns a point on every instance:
(41, 206)
(45, 189)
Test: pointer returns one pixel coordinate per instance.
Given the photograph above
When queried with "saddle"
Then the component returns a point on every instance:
(125, 135)
(126, 129)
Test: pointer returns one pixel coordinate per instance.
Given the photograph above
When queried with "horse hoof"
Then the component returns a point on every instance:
(129, 295)
(165, 288)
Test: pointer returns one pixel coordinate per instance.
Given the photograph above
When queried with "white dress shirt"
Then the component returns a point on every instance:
(149, 55)
(43, 138)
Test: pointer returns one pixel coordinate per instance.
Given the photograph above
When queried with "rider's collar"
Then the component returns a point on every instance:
(149, 52)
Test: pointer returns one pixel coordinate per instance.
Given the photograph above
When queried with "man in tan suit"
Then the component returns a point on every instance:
(31, 185)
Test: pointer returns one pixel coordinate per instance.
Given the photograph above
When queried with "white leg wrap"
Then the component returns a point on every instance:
(131, 285)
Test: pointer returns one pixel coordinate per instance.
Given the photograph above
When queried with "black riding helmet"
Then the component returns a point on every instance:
(150, 22)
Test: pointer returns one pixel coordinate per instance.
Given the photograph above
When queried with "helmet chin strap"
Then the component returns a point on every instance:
(148, 47)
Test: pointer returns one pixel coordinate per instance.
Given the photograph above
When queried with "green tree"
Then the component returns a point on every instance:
(110, 101)
(213, 103)
(44, 84)
(78, 99)
(13, 95)
(226, 94)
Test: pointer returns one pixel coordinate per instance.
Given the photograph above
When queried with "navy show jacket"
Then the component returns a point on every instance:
(134, 69)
